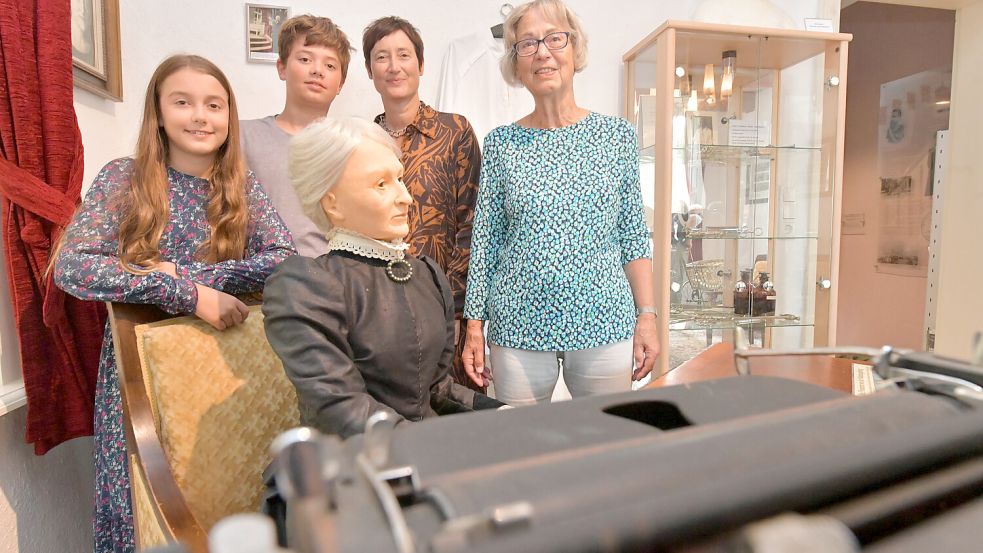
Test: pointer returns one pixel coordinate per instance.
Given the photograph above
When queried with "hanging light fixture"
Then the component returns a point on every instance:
(682, 89)
(727, 79)
(942, 93)
(708, 84)
(691, 104)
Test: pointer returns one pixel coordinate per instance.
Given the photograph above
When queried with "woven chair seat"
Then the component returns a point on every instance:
(217, 399)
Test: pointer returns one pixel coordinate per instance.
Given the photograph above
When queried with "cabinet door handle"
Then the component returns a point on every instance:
(824, 283)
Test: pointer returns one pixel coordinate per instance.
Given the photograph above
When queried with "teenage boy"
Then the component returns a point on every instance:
(313, 62)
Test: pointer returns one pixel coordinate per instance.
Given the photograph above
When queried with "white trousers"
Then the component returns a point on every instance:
(525, 377)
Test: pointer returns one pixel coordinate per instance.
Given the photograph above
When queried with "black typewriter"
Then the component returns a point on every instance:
(750, 463)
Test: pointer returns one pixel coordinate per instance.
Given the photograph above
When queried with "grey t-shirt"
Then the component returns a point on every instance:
(265, 146)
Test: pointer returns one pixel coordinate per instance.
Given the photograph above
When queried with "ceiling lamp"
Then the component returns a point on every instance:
(727, 80)
(708, 84)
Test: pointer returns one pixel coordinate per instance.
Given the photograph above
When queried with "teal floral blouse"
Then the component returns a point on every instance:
(559, 214)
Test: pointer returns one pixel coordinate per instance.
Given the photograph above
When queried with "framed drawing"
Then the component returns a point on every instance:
(263, 32)
(96, 63)
(700, 129)
(757, 179)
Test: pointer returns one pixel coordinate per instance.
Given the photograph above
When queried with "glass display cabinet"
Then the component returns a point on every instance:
(740, 134)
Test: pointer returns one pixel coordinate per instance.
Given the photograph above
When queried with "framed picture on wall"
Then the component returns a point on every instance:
(757, 175)
(263, 24)
(96, 64)
(700, 129)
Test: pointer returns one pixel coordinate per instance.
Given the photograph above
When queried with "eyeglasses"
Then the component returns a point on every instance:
(553, 41)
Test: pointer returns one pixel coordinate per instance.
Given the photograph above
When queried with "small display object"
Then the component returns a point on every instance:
(740, 143)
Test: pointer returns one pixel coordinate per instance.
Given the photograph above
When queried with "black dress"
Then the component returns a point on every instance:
(353, 341)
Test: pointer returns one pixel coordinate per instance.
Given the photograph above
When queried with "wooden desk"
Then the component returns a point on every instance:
(717, 361)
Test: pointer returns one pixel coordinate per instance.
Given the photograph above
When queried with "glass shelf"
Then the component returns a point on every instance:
(749, 150)
(713, 234)
(725, 152)
(692, 317)
(719, 153)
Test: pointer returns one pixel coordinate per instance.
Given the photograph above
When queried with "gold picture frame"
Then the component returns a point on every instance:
(96, 62)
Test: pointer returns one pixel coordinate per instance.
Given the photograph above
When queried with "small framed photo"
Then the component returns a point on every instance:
(96, 64)
(700, 129)
(757, 180)
(263, 24)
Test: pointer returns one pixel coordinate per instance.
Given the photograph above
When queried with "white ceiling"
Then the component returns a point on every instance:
(939, 4)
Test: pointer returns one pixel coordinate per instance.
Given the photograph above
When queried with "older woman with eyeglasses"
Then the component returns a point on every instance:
(560, 257)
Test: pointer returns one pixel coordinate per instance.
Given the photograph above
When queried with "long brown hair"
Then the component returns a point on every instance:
(144, 203)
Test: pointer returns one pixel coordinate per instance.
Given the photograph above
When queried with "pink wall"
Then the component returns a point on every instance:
(889, 42)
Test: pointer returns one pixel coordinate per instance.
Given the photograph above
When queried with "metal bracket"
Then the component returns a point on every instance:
(389, 484)
(888, 365)
(461, 533)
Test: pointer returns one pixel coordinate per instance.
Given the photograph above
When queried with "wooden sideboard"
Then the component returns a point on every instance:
(717, 361)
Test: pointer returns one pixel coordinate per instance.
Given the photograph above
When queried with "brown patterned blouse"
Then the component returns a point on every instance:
(442, 162)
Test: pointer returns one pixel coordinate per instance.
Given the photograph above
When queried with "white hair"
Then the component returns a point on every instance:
(318, 155)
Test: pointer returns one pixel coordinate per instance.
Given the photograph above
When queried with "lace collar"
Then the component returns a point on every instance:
(357, 243)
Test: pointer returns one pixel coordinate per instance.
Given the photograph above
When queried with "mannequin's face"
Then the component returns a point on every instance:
(370, 197)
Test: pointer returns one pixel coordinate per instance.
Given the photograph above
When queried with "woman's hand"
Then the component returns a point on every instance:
(646, 341)
(219, 309)
(646, 345)
(473, 356)
(167, 268)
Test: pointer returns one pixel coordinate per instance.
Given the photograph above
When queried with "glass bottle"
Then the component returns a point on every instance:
(763, 296)
(742, 293)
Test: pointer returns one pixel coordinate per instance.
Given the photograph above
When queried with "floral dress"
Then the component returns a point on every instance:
(88, 268)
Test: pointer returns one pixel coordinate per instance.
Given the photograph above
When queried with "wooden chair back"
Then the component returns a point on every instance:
(200, 409)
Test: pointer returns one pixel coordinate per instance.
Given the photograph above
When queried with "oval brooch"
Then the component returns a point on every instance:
(399, 270)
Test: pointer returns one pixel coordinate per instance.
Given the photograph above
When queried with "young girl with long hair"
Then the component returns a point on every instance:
(181, 225)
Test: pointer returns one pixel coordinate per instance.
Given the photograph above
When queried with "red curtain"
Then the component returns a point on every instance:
(40, 181)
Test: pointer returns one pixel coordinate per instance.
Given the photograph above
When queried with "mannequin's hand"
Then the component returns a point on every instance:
(219, 309)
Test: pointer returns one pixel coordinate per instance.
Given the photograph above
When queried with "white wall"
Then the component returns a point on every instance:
(960, 307)
(215, 29)
(45, 503)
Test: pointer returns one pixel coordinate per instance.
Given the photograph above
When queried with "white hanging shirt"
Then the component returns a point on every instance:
(472, 85)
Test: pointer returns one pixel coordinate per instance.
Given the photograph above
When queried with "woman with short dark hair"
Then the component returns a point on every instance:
(439, 152)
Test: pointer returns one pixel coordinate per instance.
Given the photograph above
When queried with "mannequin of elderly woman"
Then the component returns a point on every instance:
(365, 327)
(370, 198)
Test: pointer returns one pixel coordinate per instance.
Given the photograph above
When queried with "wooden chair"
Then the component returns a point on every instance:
(200, 408)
